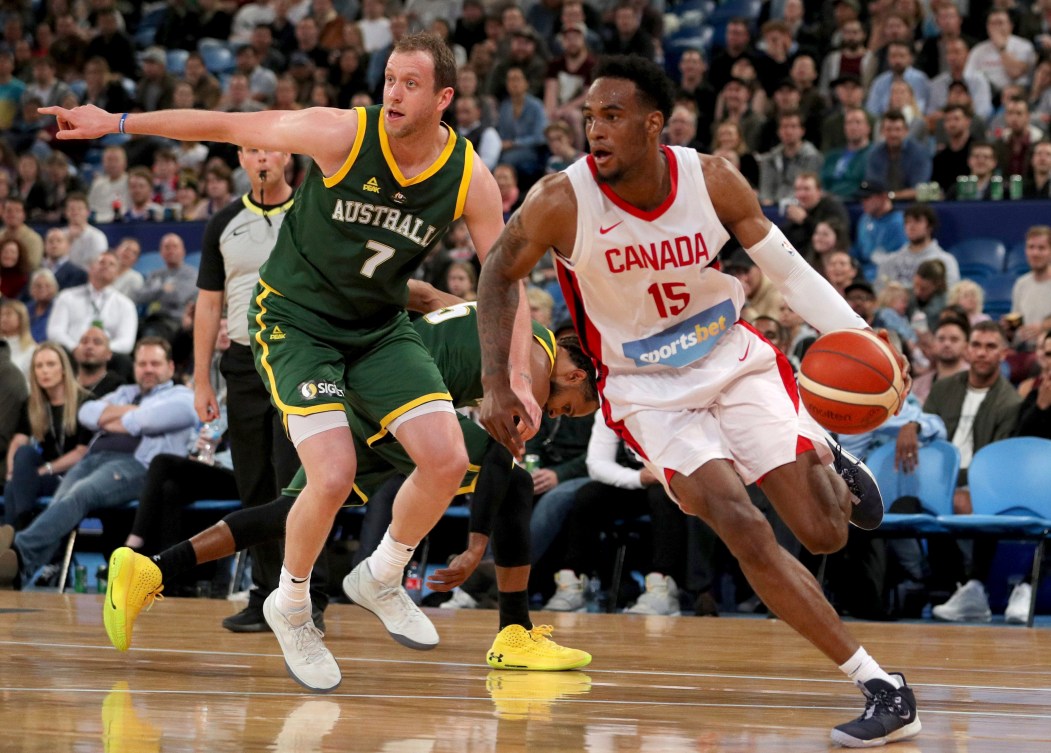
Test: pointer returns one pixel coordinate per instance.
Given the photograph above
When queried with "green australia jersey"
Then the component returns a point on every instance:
(451, 337)
(350, 242)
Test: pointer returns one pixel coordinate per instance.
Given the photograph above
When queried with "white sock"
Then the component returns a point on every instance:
(293, 597)
(388, 562)
(861, 668)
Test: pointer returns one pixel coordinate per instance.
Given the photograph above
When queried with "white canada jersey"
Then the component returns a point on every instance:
(639, 285)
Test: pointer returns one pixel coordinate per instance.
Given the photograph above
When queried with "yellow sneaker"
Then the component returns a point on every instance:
(134, 582)
(122, 729)
(518, 648)
(529, 695)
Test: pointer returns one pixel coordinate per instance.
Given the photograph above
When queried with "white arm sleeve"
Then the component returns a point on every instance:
(807, 292)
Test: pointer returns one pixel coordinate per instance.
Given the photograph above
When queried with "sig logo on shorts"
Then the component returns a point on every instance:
(687, 341)
(312, 389)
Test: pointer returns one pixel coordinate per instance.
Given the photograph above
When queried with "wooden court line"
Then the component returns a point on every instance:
(489, 699)
(587, 670)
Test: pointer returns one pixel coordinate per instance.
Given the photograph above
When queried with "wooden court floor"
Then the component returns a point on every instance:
(657, 684)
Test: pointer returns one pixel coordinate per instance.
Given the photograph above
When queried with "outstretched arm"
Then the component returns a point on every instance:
(485, 220)
(539, 224)
(325, 134)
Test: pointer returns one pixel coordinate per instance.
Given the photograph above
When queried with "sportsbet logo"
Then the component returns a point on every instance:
(312, 389)
(687, 341)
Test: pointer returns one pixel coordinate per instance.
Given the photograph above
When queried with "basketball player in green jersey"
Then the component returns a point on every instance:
(328, 325)
(564, 382)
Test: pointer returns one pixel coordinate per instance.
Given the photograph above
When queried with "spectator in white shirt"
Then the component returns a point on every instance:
(96, 303)
(129, 279)
(1003, 58)
(109, 190)
(85, 242)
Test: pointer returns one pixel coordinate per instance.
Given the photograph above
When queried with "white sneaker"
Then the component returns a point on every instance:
(570, 594)
(396, 610)
(1017, 611)
(969, 604)
(460, 600)
(660, 597)
(307, 660)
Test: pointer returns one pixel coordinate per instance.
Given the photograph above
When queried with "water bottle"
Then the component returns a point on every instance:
(996, 188)
(414, 582)
(80, 579)
(208, 441)
(101, 576)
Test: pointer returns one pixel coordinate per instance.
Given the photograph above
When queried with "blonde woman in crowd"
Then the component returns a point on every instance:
(14, 327)
(49, 440)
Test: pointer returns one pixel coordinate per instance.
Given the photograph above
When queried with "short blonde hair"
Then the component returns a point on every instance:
(956, 292)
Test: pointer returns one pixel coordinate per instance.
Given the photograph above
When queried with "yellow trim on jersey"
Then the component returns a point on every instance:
(465, 182)
(469, 488)
(397, 412)
(361, 495)
(551, 348)
(349, 161)
(437, 165)
(285, 409)
(267, 212)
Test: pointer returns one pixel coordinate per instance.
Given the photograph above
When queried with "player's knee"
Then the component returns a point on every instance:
(446, 467)
(333, 481)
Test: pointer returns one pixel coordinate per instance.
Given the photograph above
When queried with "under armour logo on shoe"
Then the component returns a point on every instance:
(493, 656)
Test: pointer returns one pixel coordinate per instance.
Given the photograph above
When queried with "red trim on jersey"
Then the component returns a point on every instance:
(591, 343)
(649, 216)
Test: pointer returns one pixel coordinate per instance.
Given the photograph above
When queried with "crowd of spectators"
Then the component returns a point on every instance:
(887, 103)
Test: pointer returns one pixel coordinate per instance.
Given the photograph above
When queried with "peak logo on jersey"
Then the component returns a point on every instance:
(397, 221)
(682, 251)
(276, 334)
(686, 341)
(310, 390)
(371, 186)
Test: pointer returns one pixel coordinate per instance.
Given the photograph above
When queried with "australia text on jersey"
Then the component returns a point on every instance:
(682, 251)
(398, 221)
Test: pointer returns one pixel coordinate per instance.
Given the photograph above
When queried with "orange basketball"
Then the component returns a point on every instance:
(850, 381)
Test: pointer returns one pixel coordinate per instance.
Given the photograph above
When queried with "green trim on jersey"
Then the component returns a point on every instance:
(350, 242)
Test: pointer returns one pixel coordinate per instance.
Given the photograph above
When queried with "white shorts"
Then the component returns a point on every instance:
(739, 403)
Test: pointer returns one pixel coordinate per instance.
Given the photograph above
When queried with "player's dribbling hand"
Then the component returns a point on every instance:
(501, 412)
(903, 364)
(84, 122)
(455, 573)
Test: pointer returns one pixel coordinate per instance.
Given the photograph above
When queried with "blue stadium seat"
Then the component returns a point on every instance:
(193, 259)
(979, 257)
(932, 482)
(724, 11)
(1018, 509)
(997, 289)
(177, 61)
(149, 261)
(217, 56)
(1016, 261)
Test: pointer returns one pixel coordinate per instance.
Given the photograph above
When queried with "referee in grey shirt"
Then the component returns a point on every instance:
(237, 240)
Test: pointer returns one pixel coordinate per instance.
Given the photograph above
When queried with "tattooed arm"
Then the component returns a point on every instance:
(546, 219)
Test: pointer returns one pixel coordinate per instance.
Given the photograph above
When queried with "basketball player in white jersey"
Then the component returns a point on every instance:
(704, 400)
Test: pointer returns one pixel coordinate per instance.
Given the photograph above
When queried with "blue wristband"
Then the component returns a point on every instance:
(120, 127)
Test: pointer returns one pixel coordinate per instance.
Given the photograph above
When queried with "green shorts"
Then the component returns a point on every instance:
(378, 463)
(311, 365)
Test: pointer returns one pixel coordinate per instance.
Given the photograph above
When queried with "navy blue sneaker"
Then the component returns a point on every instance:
(867, 513)
(889, 717)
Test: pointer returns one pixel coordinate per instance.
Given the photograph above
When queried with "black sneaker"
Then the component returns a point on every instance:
(250, 620)
(868, 510)
(890, 715)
